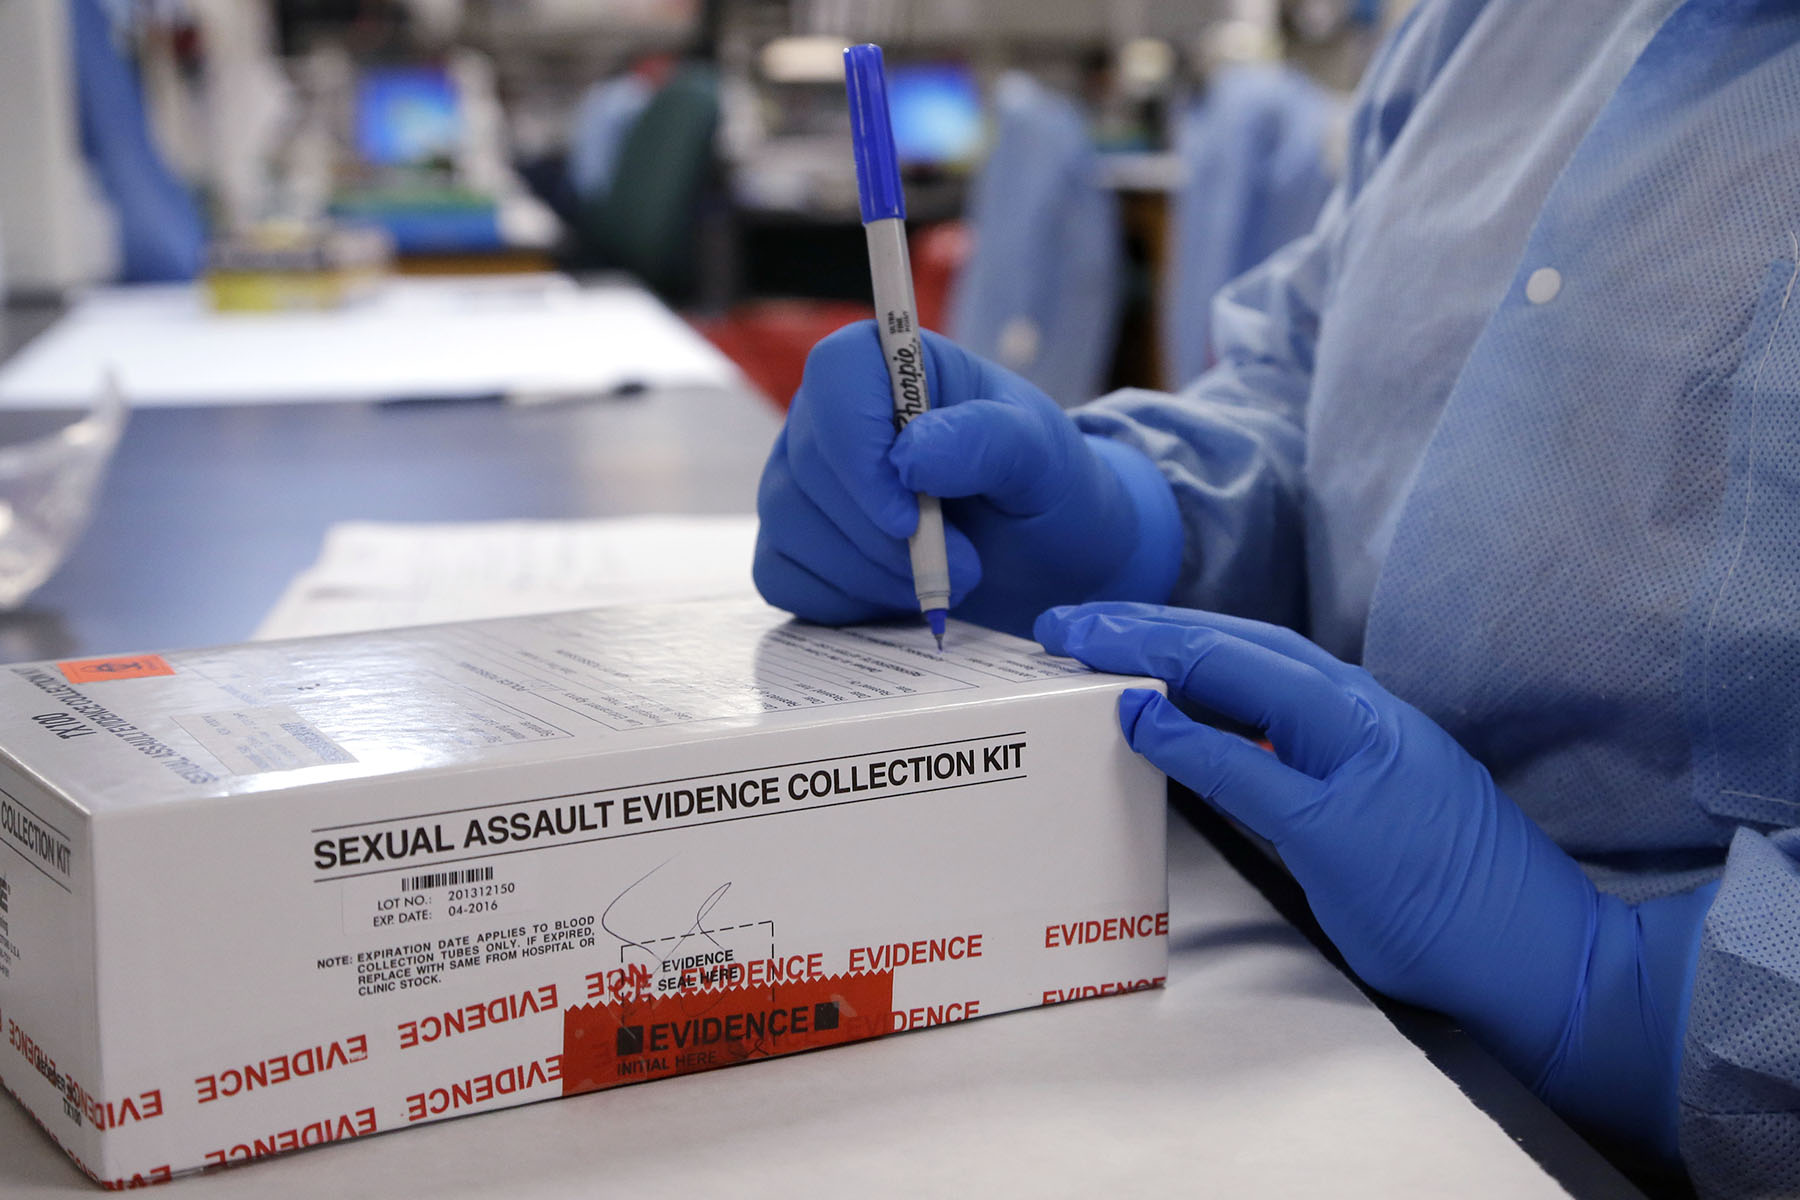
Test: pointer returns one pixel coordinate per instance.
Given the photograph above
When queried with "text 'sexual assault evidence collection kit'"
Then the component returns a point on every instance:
(276, 895)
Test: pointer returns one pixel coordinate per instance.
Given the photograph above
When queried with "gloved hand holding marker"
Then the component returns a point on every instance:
(1037, 513)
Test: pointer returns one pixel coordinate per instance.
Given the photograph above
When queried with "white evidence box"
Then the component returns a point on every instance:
(264, 897)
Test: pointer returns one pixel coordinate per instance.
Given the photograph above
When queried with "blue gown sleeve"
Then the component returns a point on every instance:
(1232, 444)
(1739, 1088)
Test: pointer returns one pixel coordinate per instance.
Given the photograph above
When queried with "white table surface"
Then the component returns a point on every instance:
(525, 336)
(1258, 1071)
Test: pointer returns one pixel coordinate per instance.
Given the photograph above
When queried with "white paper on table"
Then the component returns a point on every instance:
(375, 575)
(521, 336)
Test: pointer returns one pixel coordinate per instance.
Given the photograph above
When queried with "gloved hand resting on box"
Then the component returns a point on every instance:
(1037, 513)
(1437, 888)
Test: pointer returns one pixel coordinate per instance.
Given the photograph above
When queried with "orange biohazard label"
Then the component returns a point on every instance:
(98, 670)
(631, 1039)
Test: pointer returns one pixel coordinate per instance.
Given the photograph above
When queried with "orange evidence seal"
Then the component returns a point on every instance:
(605, 1045)
(99, 670)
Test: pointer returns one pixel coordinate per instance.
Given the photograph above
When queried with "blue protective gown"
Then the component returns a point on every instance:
(1038, 188)
(1256, 169)
(1518, 427)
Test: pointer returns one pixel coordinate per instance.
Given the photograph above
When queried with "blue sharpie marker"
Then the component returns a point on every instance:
(884, 223)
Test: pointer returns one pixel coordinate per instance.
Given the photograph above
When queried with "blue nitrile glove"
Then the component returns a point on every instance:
(1437, 888)
(1037, 512)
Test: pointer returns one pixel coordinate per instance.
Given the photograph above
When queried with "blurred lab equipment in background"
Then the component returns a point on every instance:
(1040, 290)
(645, 219)
(1259, 156)
(606, 114)
(160, 233)
(1079, 180)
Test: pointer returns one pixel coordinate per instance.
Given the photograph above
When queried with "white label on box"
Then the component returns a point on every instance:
(498, 889)
(250, 741)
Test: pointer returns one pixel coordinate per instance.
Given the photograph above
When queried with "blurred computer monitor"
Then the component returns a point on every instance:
(407, 117)
(936, 110)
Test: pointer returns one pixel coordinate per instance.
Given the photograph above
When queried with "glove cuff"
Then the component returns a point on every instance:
(1617, 1068)
(1150, 572)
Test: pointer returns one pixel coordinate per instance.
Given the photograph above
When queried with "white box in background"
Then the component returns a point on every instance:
(275, 895)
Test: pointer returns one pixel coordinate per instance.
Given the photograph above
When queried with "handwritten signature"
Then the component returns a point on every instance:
(698, 929)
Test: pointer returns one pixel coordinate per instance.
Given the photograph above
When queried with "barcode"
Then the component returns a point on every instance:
(418, 883)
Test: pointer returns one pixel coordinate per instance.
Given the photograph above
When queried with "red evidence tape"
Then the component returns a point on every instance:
(629, 1040)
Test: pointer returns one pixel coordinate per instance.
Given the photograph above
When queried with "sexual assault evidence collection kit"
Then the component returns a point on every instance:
(275, 895)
